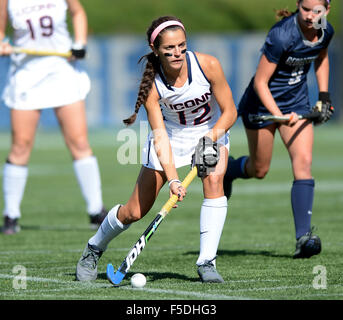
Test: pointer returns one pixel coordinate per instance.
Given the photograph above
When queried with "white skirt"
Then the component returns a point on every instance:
(183, 142)
(45, 82)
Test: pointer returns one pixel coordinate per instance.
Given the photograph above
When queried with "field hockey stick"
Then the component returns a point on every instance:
(269, 117)
(116, 276)
(41, 52)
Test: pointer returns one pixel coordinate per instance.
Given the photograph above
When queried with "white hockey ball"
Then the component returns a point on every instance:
(138, 280)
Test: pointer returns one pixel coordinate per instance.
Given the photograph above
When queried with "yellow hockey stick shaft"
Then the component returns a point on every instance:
(41, 52)
(173, 199)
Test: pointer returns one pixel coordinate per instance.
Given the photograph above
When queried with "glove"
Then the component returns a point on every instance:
(78, 50)
(206, 156)
(324, 107)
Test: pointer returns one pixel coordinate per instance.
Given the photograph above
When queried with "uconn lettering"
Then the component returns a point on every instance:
(34, 8)
(205, 98)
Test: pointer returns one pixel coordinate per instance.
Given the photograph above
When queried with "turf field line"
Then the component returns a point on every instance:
(202, 295)
(327, 295)
(254, 280)
(86, 285)
(276, 187)
(190, 293)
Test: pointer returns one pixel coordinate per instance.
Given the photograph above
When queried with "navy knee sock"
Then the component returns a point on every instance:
(235, 168)
(302, 194)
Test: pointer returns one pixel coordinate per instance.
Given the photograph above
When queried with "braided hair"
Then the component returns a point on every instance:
(151, 67)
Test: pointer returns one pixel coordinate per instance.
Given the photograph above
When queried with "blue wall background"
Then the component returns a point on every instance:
(115, 74)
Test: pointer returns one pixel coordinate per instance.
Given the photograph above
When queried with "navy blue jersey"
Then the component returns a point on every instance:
(286, 46)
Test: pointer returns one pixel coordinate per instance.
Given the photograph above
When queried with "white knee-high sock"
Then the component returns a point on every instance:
(14, 181)
(88, 177)
(212, 219)
(110, 228)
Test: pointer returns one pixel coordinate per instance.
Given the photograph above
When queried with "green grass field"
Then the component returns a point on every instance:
(255, 252)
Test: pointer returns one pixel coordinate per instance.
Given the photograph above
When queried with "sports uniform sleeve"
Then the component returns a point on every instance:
(273, 47)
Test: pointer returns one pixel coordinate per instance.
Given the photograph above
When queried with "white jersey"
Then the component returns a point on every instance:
(189, 113)
(41, 82)
(191, 105)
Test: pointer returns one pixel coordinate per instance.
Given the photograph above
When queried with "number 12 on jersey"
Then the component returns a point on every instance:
(204, 110)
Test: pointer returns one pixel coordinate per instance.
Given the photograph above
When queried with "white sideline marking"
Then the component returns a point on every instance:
(10, 252)
(86, 285)
(275, 187)
(191, 293)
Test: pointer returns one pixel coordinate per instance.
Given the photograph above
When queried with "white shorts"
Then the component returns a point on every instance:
(183, 142)
(45, 82)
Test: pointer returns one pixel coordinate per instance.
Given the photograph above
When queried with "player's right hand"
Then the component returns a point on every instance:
(5, 49)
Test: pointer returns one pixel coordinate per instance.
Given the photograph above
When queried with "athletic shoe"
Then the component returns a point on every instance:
(307, 246)
(227, 183)
(87, 267)
(11, 226)
(97, 219)
(208, 273)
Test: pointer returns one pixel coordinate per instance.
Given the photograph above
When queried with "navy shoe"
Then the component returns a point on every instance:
(307, 246)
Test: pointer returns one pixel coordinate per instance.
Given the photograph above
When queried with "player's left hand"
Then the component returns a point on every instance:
(293, 119)
(78, 51)
(324, 107)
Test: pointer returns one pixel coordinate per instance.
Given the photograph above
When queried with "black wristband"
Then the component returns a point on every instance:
(324, 96)
(78, 50)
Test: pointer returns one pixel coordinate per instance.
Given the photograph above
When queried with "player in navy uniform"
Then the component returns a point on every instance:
(279, 88)
(190, 109)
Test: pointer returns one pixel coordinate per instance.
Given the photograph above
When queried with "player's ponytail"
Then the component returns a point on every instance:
(284, 13)
(151, 67)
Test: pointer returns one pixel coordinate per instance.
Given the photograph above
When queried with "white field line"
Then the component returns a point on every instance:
(29, 252)
(44, 169)
(252, 187)
(192, 294)
(58, 251)
(275, 187)
(327, 295)
(85, 285)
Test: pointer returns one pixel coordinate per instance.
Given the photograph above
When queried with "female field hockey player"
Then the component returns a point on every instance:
(39, 82)
(178, 90)
(279, 88)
